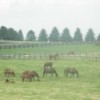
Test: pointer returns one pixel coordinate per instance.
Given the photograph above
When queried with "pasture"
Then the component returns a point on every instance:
(54, 48)
(86, 87)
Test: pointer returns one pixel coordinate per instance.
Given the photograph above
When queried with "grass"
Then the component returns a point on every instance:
(86, 87)
(78, 48)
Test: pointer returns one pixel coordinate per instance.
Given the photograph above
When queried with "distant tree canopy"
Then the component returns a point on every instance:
(54, 36)
(10, 34)
(30, 36)
(90, 36)
(3, 33)
(20, 34)
(98, 38)
(66, 37)
(43, 36)
(77, 36)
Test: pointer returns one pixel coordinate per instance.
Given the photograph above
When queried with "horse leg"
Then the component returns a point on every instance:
(30, 79)
(38, 78)
(72, 75)
(51, 74)
(23, 79)
(43, 73)
(67, 74)
(77, 74)
(56, 74)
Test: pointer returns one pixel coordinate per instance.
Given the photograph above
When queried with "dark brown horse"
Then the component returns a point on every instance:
(72, 71)
(29, 75)
(53, 56)
(49, 70)
(9, 72)
(48, 64)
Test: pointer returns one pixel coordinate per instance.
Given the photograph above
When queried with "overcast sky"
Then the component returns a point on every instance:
(38, 14)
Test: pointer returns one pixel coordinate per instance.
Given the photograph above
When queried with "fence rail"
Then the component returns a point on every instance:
(46, 57)
(27, 44)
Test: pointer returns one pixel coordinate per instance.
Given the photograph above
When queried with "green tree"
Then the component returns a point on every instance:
(77, 36)
(31, 36)
(3, 33)
(12, 34)
(66, 37)
(90, 36)
(98, 38)
(20, 35)
(54, 36)
(43, 36)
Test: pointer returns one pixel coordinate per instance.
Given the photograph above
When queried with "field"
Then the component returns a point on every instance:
(86, 87)
(61, 48)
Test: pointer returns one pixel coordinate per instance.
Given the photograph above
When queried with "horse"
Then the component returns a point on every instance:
(71, 71)
(28, 75)
(9, 72)
(71, 53)
(49, 70)
(53, 56)
(48, 64)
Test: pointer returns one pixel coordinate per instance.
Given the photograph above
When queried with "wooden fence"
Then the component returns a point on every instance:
(46, 57)
(27, 44)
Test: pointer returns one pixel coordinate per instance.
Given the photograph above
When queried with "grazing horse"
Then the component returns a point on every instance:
(9, 72)
(49, 70)
(53, 56)
(48, 64)
(71, 71)
(71, 53)
(28, 75)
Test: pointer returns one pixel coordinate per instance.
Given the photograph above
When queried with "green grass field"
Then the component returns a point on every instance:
(79, 48)
(86, 87)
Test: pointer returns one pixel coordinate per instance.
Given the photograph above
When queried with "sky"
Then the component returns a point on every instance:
(39, 14)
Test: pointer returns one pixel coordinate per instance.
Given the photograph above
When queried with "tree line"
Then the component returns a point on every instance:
(55, 35)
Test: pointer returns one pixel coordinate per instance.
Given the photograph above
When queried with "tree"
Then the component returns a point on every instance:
(90, 36)
(43, 36)
(3, 32)
(54, 36)
(65, 37)
(12, 34)
(30, 36)
(20, 35)
(98, 38)
(77, 36)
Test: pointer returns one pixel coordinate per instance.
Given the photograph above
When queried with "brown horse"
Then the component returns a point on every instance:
(71, 71)
(53, 56)
(28, 75)
(9, 72)
(48, 64)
